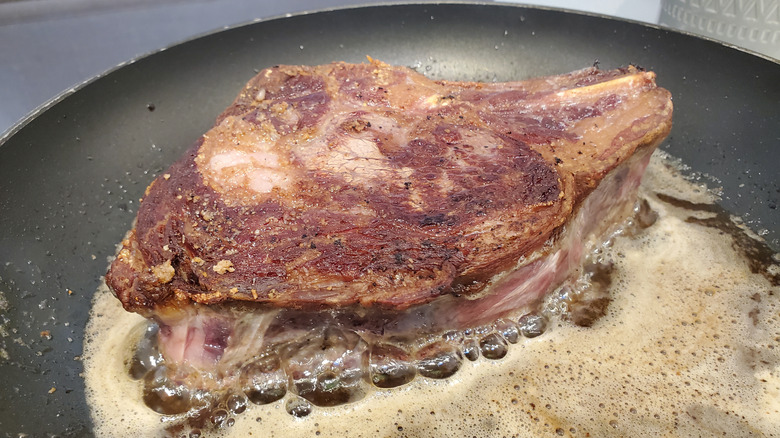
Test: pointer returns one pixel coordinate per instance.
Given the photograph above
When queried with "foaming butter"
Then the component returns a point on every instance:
(690, 346)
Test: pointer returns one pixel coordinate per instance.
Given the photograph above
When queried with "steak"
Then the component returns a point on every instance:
(373, 201)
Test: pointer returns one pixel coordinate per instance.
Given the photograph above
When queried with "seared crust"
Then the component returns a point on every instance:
(368, 184)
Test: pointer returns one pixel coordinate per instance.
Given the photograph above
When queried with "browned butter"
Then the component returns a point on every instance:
(690, 346)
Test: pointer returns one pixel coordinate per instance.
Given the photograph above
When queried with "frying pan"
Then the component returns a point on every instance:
(71, 176)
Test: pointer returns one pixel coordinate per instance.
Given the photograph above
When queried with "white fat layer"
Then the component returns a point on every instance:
(689, 347)
(237, 156)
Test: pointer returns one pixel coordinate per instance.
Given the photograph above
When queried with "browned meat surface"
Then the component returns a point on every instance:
(348, 225)
(370, 185)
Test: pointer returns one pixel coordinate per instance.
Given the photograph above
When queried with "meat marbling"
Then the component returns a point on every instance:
(366, 202)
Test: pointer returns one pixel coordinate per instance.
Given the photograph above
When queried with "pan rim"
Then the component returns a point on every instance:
(64, 94)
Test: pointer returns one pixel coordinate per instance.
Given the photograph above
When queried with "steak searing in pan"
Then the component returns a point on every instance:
(373, 206)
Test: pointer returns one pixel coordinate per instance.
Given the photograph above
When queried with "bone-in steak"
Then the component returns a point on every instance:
(347, 224)
(371, 185)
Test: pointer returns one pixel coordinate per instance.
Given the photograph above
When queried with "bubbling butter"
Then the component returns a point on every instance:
(689, 346)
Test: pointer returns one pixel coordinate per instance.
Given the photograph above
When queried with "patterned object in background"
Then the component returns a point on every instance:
(753, 24)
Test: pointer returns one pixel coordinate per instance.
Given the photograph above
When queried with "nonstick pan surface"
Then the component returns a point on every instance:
(71, 177)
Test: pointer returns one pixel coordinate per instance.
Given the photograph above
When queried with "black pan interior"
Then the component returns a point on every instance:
(71, 177)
